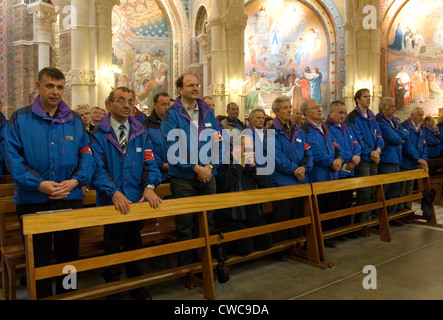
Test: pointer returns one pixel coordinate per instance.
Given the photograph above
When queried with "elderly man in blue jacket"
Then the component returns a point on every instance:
(49, 158)
(367, 131)
(293, 163)
(326, 157)
(126, 173)
(350, 149)
(394, 136)
(415, 152)
(192, 139)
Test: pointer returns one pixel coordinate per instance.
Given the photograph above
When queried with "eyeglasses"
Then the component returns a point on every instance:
(122, 101)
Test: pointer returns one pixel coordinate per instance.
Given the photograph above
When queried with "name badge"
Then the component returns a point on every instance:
(208, 125)
(69, 138)
(298, 140)
(138, 150)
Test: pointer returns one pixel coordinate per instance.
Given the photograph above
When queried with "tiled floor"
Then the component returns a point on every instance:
(408, 267)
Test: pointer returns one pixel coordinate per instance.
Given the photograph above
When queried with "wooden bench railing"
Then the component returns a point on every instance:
(12, 248)
(81, 218)
(380, 205)
(314, 254)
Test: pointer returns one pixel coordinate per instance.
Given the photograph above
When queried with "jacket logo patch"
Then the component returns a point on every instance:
(149, 155)
(86, 149)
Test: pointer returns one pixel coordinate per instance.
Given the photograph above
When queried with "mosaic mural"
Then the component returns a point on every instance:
(415, 57)
(142, 48)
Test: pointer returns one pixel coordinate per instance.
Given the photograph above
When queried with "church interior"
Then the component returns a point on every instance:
(311, 48)
(240, 50)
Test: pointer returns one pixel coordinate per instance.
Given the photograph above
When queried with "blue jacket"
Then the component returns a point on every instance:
(40, 148)
(152, 123)
(260, 156)
(433, 141)
(414, 148)
(128, 172)
(323, 152)
(187, 147)
(347, 144)
(440, 129)
(367, 132)
(394, 136)
(2, 141)
(290, 153)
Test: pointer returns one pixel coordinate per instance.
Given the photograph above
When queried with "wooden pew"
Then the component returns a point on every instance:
(91, 239)
(380, 205)
(437, 185)
(82, 218)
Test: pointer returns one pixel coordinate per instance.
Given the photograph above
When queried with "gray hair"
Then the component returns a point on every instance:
(335, 105)
(414, 110)
(82, 107)
(385, 102)
(277, 101)
(253, 112)
(305, 105)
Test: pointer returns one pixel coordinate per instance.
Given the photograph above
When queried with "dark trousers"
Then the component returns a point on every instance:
(283, 210)
(66, 244)
(365, 195)
(123, 237)
(187, 224)
(391, 190)
(245, 246)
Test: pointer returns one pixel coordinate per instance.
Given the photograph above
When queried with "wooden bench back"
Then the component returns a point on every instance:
(81, 218)
(381, 204)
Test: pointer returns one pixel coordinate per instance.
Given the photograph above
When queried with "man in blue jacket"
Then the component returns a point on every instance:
(367, 131)
(126, 173)
(2, 141)
(394, 135)
(192, 141)
(152, 123)
(293, 163)
(414, 153)
(349, 149)
(49, 158)
(326, 157)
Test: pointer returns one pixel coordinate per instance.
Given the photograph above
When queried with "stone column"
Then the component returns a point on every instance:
(81, 76)
(25, 65)
(226, 27)
(216, 59)
(44, 16)
(203, 43)
(104, 46)
(362, 53)
(234, 21)
(65, 11)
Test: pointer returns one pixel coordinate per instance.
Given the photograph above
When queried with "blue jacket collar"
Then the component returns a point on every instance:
(329, 122)
(252, 128)
(371, 115)
(278, 126)
(64, 112)
(393, 119)
(324, 126)
(137, 127)
(203, 106)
